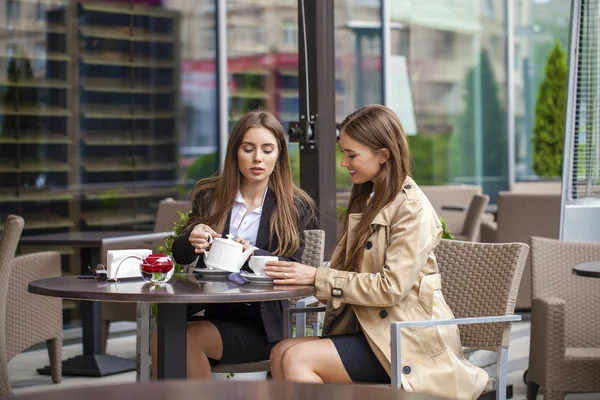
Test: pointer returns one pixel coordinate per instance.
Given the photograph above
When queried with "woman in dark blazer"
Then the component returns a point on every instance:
(255, 200)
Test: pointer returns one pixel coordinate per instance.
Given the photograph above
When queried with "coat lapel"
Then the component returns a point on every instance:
(262, 237)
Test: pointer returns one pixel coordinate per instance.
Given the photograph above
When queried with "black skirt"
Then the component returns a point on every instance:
(360, 362)
(241, 330)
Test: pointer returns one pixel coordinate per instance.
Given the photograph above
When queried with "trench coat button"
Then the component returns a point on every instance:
(407, 186)
(406, 370)
(262, 305)
(369, 245)
(383, 314)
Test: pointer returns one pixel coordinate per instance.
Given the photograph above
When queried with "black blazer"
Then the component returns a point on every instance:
(271, 312)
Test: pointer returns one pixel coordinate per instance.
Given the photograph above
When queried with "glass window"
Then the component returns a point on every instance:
(11, 49)
(13, 11)
(290, 33)
(40, 11)
(540, 26)
(98, 149)
(488, 7)
(263, 62)
(447, 82)
(357, 64)
(40, 57)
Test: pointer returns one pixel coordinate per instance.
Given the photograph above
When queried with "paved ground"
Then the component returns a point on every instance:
(24, 379)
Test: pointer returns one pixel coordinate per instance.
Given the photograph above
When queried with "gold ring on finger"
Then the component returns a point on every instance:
(285, 275)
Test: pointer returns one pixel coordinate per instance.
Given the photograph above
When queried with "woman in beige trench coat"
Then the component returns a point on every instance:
(383, 269)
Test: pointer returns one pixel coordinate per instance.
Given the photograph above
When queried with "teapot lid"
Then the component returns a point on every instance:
(229, 239)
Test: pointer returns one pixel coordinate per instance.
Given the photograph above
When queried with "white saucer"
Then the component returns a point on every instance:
(220, 267)
(212, 272)
(257, 278)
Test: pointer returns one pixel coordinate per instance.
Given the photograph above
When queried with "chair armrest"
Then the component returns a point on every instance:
(145, 241)
(307, 301)
(395, 328)
(456, 321)
(548, 330)
(304, 310)
(33, 318)
(488, 231)
(455, 208)
(287, 317)
(145, 237)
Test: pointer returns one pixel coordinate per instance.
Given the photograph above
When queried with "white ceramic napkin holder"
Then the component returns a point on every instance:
(125, 263)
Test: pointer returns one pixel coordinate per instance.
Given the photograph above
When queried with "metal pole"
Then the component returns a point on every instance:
(386, 51)
(528, 105)
(222, 92)
(477, 123)
(358, 76)
(510, 89)
(316, 128)
(569, 163)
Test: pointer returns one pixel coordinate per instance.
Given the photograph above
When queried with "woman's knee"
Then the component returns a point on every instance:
(278, 350)
(203, 336)
(293, 357)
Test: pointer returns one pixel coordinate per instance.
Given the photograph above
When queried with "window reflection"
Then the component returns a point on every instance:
(106, 106)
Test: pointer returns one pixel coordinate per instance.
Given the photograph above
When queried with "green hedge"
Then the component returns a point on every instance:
(202, 167)
(430, 158)
(429, 153)
(548, 130)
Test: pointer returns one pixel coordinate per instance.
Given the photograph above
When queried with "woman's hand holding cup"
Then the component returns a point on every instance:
(201, 237)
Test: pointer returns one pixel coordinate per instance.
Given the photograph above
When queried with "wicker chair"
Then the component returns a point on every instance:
(166, 216)
(564, 354)
(480, 283)
(521, 216)
(33, 319)
(470, 228)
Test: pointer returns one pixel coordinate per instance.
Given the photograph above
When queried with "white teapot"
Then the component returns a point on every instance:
(226, 254)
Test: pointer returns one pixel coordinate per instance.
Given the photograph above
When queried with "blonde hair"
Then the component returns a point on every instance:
(377, 127)
(290, 200)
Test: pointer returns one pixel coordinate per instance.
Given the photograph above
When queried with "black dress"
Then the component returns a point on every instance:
(248, 330)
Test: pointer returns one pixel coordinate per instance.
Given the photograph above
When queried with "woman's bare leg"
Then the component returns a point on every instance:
(314, 361)
(203, 342)
(277, 354)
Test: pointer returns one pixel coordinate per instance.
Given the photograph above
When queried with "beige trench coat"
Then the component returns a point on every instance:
(399, 281)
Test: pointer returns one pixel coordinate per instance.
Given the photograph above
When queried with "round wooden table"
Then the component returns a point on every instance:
(590, 269)
(172, 299)
(219, 390)
(93, 361)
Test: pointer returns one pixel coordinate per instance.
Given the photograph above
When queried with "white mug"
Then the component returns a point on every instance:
(257, 263)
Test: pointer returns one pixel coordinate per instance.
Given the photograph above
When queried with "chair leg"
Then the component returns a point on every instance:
(55, 354)
(532, 390)
(4, 382)
(144, 360)
(501, 370)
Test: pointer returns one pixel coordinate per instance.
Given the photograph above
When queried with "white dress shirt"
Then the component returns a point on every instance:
(245, 224)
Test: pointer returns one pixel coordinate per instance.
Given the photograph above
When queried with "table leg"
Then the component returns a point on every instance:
(91, 311)
(171, 329)
(93, 362)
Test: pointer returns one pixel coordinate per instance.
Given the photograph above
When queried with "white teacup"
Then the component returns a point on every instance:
(257, 263)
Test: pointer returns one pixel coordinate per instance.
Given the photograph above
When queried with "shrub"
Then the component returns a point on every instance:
(549, 126)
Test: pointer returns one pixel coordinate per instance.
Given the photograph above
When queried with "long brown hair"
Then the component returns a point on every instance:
(377, 127)
(214, 197)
